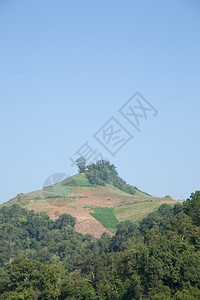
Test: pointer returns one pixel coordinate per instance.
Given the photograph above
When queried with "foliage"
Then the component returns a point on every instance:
(105, 215)
(157, 259)
(103, 172)
(125, 230)
(38, 237)
(30, 279)
(65, 220)
(192, 207)
(81, 164)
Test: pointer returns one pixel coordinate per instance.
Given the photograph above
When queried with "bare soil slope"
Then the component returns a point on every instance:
(79, 200)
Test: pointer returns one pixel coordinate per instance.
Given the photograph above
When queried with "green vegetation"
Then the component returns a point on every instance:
(156, 259)
(103, 172)
(136, 210)
(78, 180)
(38, 237)
(81, 164)
(56, 190)
(105, 215)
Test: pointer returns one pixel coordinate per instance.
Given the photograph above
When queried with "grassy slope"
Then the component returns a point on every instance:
(136, 211)
(65, 194)
(106, 216)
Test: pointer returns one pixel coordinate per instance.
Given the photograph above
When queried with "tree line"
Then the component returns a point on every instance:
(159, 258)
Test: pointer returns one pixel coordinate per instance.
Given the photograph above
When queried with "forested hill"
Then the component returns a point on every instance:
(159, 258)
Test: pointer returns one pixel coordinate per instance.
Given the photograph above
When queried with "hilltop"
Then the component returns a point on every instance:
(97, 197)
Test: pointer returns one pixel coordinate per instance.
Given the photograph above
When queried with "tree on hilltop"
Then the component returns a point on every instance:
(81, 164)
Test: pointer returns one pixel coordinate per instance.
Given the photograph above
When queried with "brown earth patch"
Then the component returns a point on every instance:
(87, 193)
(99, 201)
(97, 197)
(168, 202)
(85, 223)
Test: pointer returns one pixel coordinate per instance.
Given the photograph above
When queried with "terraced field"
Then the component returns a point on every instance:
(97, 209)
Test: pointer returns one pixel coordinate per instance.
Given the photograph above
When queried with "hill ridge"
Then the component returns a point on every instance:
(80, 199)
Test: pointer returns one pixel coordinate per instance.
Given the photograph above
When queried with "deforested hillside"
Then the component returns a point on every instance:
(97, 197)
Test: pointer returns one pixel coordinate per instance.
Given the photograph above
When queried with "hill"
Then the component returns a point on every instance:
(96, 198)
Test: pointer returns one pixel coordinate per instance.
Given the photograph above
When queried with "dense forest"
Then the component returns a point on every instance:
(159, 258)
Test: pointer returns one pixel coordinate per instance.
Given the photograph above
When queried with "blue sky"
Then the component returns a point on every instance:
(66, 67)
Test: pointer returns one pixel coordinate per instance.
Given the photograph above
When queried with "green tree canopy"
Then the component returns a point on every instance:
(81, 164)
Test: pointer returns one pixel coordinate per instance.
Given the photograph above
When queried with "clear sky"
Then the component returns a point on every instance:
(66, 68)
